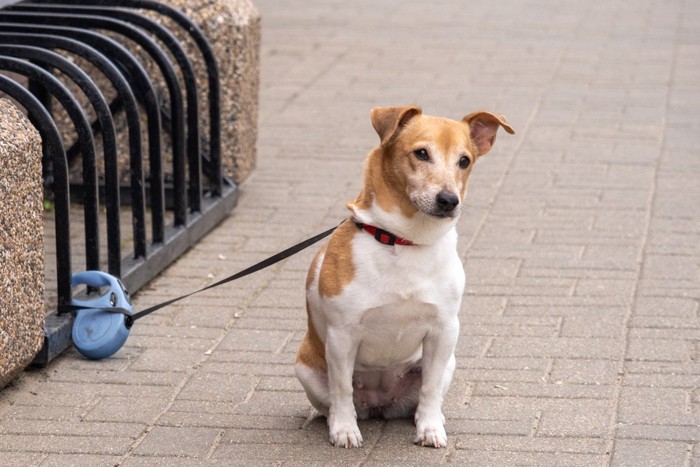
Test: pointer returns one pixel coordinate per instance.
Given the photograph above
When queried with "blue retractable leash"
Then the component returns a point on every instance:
(102, 323)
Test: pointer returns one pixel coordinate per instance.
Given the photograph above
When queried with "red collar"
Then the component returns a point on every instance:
(382, 236)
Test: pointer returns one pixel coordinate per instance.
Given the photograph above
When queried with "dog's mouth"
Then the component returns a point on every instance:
(444, 215)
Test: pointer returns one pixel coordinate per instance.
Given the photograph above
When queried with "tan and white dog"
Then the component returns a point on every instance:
(384, 293)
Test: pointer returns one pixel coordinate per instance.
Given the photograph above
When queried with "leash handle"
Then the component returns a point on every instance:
(276, 258)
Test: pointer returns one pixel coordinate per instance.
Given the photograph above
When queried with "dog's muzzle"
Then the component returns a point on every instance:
(446, 204)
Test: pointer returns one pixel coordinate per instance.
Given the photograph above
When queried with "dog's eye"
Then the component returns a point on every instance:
(464, 162)
(421, 154)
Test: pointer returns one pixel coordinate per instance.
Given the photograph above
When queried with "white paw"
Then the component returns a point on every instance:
(346, 435)
(430, 431)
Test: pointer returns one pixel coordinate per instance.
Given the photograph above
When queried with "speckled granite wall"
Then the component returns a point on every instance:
(21, 243)
(233, 30)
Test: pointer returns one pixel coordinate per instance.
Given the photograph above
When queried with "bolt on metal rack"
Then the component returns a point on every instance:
(40, 40)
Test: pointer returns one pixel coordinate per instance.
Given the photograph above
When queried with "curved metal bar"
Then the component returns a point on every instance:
(82, 127)
(138, 80)
(53, 147)
(114, 75)
(189, 79)
(83, 81)
(163, 63)
(209, 59)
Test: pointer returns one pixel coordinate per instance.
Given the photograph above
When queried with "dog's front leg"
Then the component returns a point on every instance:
(438, 364)
(341, 350)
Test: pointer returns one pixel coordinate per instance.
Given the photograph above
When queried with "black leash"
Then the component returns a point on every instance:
(276, 258)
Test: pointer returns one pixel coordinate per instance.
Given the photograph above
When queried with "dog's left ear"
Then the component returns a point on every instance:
(483, 127)
(388, 121)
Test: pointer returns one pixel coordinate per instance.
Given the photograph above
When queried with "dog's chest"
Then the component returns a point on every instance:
(400, 296)
(405, 276)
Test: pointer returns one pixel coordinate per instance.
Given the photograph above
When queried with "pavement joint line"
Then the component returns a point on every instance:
(215, 444)
(150, 426)
(369, 449)
(535, 425)
(649, 214)
(504, 174)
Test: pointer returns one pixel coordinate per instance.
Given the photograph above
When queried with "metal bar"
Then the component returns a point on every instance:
(48, 58)
(163, 63)
(139, 81)
(189, 79)
(52, 145)
(214, 169)
(82, 127)
(156, 168)
(120, 83)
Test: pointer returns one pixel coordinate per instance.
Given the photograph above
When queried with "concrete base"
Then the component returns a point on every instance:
(21, 243)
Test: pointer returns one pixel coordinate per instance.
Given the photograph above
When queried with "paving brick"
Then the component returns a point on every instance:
(291, 404)
(592, 325)
(59, 444)
(568, 347)
(580, 445)
(177, 442)
(659, 406)
(217, 387)
(556, 390)
(21, 459)
(651, 453)
(666, 350)
(579, 371)
(169, 359)
(687, 433)
(60, 460)
(126, 409)
(500, 458)
(289, 454)
(254, 339)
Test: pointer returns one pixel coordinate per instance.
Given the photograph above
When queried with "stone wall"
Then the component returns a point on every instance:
(233, 29)
(21, 242)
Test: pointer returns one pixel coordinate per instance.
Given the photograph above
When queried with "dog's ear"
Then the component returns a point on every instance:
(388, 121)
(483, 127)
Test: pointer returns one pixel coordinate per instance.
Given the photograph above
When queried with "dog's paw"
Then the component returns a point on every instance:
(430, 431)
(346, 436)
(432, 437)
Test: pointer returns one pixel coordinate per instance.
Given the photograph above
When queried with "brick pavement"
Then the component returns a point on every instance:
(580, 340)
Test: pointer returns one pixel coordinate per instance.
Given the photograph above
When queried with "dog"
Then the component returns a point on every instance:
(384, 293)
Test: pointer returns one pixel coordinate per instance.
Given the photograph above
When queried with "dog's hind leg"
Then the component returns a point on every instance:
(315, 383)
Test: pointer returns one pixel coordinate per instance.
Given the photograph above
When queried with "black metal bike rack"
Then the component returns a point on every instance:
(40, 38)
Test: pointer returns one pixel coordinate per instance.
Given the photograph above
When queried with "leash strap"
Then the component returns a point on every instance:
(250, 270)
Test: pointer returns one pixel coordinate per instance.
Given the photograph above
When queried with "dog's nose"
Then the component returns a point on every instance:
(447, 201)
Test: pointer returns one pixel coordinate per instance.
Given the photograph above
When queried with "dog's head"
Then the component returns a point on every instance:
(426, 160)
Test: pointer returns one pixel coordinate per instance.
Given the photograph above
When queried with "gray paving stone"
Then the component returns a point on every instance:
(177, 442)
(217, 387)
(22, 459)
(579, 371)
(571, 347)
(61, 460)
(60, 444)
(126, 410)
(660, 406)
(500, 458)
(579, 445)
(649, 453)
(665, 350)
(687, 433)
